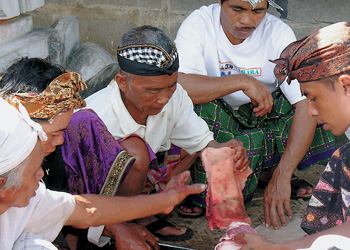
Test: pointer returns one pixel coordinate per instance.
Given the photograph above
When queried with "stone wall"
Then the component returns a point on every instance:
(105, 21)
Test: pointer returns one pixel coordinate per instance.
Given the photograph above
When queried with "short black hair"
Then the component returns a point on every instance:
(29, 75)
(227, 0)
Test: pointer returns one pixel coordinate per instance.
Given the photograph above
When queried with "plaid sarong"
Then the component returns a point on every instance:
(265, 138)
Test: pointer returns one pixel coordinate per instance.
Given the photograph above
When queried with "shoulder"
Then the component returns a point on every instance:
(100, 98)
(205, 15)
(275, 25)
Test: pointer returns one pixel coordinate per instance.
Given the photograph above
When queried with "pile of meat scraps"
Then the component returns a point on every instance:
(225, 205)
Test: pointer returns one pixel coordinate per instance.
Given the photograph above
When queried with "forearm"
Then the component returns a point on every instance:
(95, 210)
(299, 140)
(307, 241)
(203, 89)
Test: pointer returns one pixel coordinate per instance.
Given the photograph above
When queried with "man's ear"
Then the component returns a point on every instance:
(219, 1)
(344, 80)
(121, 81)
(2, 184)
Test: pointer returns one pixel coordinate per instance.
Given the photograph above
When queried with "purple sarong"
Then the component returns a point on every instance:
(94, 161)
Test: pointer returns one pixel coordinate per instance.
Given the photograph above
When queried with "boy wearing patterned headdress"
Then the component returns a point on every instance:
(321, 64)
(145, 99)
(224, 51)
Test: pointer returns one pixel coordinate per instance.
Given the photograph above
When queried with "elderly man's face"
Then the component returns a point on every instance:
(239, 19)
(30, 182)
(330, 107)
(146, 95)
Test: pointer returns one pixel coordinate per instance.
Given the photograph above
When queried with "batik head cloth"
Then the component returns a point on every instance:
(18, 135)
(254, 3)
(147, 60)
(59, 97)
(322, 54)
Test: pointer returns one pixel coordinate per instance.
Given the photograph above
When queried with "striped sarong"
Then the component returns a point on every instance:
(265, 138)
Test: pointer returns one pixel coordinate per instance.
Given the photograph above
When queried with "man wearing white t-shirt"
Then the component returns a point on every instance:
(224, 52)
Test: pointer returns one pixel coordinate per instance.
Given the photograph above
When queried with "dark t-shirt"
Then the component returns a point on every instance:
(54, 171)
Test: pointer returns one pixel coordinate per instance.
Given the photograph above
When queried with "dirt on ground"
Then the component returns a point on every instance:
(204, 239)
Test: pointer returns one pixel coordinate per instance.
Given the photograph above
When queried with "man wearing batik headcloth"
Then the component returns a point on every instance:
(145, 99)
(321, 64)
(225, 50)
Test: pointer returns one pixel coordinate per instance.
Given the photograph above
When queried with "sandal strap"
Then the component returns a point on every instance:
(158, 224)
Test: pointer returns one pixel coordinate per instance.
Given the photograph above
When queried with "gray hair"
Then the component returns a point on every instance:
(147, 35)
(14, 176)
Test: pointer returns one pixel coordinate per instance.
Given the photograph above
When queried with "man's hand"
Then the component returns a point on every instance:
(259, 94)
(176, 190)
(256, 242)
(241, 157)
(277, 199)
(131, 236)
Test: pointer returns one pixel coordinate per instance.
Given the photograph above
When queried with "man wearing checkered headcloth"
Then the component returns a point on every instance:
(224, 51)
(145, 100)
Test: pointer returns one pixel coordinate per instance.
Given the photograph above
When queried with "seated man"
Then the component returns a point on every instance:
(320, 62)
(146, 100)
(224, 51)
(28, 209)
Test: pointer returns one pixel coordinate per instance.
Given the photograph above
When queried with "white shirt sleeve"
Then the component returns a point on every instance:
(190, 132)
(51, 211)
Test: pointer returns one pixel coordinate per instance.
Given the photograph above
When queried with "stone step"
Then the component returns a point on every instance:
(34, 44)
(15, 28)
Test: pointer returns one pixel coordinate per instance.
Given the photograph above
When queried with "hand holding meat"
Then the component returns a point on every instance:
(224, 196)
(240, 156)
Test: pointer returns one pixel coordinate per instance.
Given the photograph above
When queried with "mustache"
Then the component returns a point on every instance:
(246, 28)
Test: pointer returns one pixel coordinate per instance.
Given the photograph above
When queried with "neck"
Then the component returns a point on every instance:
(3, 208)
(137, 115)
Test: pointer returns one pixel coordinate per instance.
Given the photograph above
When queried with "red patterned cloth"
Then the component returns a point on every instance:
(324, 53)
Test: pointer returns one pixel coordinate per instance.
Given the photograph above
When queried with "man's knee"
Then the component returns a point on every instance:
(137, 147)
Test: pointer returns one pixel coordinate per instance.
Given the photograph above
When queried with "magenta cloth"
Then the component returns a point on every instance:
(89, 151)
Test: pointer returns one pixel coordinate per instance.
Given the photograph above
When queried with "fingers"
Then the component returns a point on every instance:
(280, 213)
(152, 241)
(288, 208)
(196, 188)
(264, 104)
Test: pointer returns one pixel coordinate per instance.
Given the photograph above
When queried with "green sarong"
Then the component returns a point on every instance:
(265, 138)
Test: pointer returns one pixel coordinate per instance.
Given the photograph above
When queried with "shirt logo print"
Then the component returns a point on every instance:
(228, 68)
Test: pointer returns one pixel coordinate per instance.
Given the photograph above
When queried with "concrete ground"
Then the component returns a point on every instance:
(204, 239)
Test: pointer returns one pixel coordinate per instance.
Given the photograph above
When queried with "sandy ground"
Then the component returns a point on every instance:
(204, 239)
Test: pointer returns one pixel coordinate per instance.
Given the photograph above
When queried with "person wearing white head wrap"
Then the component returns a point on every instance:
(18, 135)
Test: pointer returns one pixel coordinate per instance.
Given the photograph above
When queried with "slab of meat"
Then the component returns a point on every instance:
(224, 196)
(227, 240)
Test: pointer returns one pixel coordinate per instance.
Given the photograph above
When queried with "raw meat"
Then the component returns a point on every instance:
(224, 196)
(227, 240)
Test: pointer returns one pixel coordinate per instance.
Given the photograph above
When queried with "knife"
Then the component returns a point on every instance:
(168, 246)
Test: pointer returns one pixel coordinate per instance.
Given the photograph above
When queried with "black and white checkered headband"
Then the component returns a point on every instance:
(147, 60)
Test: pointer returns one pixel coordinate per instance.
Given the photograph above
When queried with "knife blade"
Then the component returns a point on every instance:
(168, 246)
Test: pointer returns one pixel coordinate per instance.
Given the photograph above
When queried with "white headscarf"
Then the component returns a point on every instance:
(18, 135)
(271, 2)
